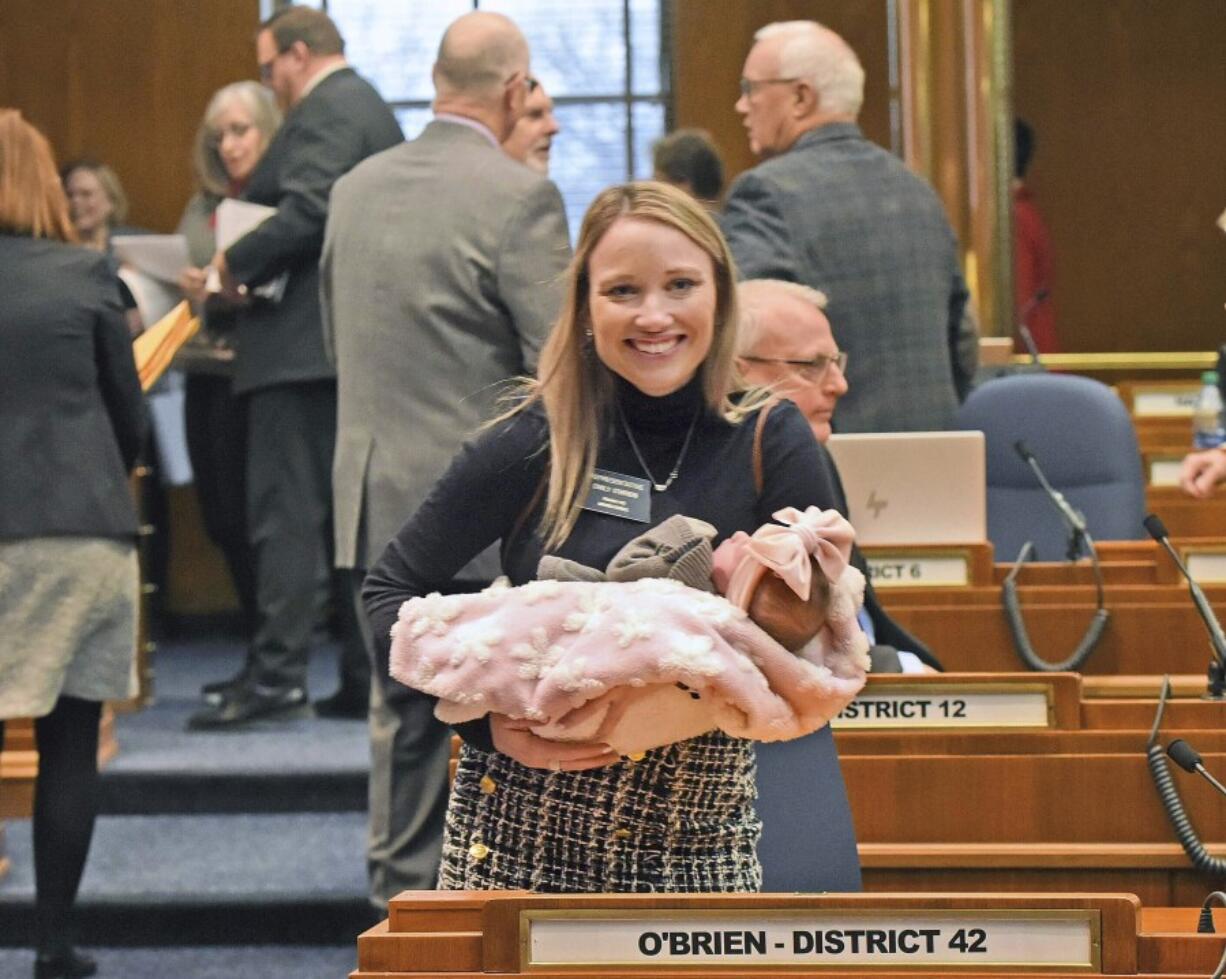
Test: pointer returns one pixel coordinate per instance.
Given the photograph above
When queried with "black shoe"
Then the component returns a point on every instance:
(217, 691)
(344, 704)
(69, 964)
(248, 704)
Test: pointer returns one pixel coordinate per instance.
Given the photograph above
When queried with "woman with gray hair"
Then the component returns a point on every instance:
(237, 127)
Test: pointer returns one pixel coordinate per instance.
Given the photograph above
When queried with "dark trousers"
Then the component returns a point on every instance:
(216, 423)
(410, 752)
(291, 435)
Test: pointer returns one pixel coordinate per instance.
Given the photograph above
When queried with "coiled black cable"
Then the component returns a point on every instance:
(1017, 625)
(1160, 771)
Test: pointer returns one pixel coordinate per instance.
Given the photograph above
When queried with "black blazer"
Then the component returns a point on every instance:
(888, 632)
(71, 410)
(340, 123)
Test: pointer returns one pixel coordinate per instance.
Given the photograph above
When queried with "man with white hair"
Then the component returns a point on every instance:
(828, 208)
(785, 344)
(440, 277)
(531, 140)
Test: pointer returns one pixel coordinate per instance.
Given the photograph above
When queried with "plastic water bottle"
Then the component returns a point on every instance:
(1207, 430)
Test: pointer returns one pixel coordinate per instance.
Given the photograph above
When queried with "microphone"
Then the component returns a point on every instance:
(1189, 759)
(1077, 538)
(1217, 669)
(1023, 330)
(1075, 520)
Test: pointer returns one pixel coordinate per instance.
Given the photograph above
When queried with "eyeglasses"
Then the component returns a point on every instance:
(811, 370)
(530, 84)
(238, 130)
(749, 84)
(266, 66)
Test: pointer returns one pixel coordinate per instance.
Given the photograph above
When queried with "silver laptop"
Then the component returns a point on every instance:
(914, 487)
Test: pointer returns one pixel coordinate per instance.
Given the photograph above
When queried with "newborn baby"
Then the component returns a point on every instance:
(644, 654)
(775, 576)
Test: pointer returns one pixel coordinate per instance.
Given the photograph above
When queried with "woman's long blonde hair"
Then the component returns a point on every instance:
(575, 387)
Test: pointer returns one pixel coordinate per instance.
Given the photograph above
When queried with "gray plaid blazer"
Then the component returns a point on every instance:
(840, 214)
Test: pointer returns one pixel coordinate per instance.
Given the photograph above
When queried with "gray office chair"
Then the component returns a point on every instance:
(1082, 436)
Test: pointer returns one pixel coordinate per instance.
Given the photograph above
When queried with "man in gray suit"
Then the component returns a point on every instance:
(440, 278)
(831, 210)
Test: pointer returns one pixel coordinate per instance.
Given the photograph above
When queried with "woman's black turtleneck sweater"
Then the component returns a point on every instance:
(491, 482)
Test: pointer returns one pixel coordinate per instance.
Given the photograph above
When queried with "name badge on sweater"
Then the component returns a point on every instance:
(628, 497)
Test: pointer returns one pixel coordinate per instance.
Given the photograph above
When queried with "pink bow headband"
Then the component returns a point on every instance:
(742, 560)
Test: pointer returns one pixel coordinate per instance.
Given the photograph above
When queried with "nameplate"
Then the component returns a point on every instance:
(1164, 472)
(1164, 402)
(668, 940)
(1207, 567)
(915, 570)
(946, 706)
(618, 495)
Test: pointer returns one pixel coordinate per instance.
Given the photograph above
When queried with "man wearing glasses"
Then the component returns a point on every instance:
(531, 140)
(333, 119)
(785, 343)
(828, 208)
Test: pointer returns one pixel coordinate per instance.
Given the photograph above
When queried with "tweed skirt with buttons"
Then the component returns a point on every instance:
(67, 622)
(679, 820)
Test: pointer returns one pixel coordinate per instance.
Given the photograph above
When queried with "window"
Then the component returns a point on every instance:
(604, 62)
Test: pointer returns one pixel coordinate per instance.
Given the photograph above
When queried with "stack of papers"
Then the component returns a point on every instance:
(156, 347)
(234, 219)
(150, 267)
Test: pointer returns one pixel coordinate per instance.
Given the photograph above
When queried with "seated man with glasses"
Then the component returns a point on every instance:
(786, 344)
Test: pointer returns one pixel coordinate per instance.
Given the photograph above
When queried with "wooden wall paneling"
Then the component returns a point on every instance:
(126, 82)
(710, 42)
(1126, 98)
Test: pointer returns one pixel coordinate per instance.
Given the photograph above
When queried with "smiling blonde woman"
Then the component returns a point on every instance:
(636, 385)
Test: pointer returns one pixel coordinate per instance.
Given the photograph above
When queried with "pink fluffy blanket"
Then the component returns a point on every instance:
(697, 662)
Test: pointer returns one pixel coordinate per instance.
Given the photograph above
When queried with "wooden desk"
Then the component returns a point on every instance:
(1185, 516)
(1165, 400)
(1066, 806)
(436, 934)
(1154, 627)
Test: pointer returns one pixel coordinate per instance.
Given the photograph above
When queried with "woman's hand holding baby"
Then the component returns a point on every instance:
(514, 737)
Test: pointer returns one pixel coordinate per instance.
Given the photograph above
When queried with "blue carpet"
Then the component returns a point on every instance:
(235, 962)
(309, 765)
(253, 837)
(210, 858)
